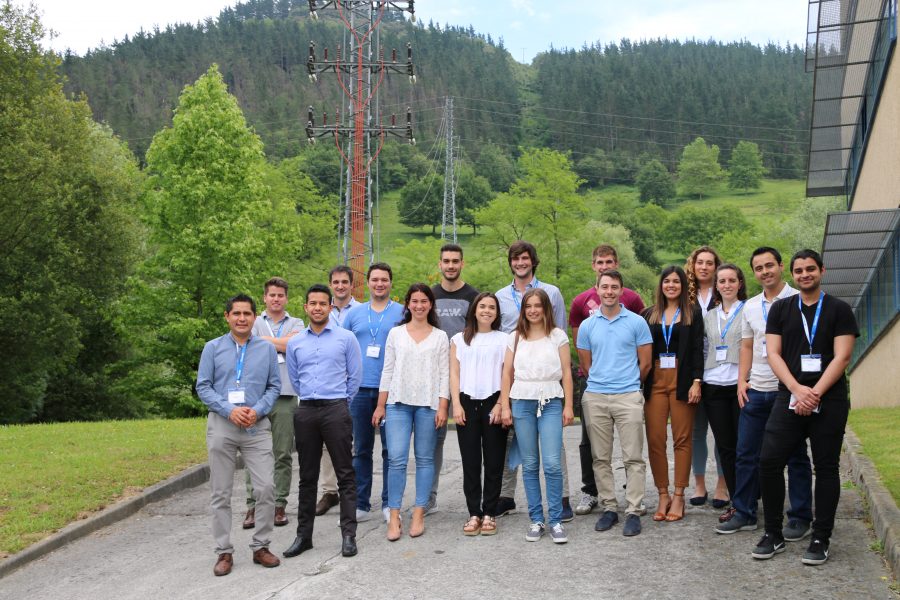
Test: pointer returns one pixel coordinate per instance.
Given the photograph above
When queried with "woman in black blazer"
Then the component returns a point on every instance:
(673, 386)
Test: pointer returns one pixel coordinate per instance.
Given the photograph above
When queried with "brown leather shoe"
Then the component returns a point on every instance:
(224, 564)
(250, 519)
(325, 503)
(265, 558)
(280, 518)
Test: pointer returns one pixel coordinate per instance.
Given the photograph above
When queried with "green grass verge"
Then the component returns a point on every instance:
(879, 431)
(54, 474)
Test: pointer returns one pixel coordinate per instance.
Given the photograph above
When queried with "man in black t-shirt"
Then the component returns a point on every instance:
(452, 299)
(809, 340)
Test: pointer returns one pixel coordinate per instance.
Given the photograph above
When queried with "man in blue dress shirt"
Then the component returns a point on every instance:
(324, 364)
(238, 380)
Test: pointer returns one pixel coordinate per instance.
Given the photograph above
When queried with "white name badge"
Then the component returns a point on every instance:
(764, 352)
(667, 360)
(811, 363)
(721, 353)
(236, 397)
(280, 358)
(373, 350)
(792, 405)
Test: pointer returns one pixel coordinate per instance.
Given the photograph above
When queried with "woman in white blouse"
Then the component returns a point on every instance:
(538, 378)
(413, 397)
(476, 364)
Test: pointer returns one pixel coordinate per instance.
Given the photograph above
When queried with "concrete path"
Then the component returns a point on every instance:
(165, 551)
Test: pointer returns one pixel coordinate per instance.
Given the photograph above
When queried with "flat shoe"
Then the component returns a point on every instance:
(699, 500)
(720, 504)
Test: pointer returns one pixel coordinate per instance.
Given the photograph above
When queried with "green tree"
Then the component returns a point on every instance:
(213, 232)
(699, 171)
(472, 192)
(690, 227)
(422, 202)
(496, 166)
(745, 169)
(655, 183)
(595, 168)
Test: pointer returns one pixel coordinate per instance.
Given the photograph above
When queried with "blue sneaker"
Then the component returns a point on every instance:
(567, 514)
(736, 523)
(535, 532)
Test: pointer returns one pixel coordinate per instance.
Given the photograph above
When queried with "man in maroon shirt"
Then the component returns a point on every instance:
(584, 305)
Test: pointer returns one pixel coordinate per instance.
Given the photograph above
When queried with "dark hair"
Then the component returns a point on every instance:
(655, 313)
(471, 327)
(549, 323)
(765, 250)
(689, 269)
(522, 247)
(275, 282)
(229, 304)
(611, 273)
(432, 313)
(807, 253)
(605, 250)
(341, 269)
(742, 291)
(320, 289)
(380, 266)
(451, 248)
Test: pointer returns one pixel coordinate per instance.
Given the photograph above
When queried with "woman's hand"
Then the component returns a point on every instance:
(440, 419)
(377, 416)
(568, 415)
(506, 416)
(495, 417)
(459, 415)
(694, 393)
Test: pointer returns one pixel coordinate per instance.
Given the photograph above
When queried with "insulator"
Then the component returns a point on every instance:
(324, 118)
(393, 120)
(309, 116)
(393, 55)
(326, 54)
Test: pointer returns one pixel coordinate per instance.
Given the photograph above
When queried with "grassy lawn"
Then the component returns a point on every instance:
(54, 474)
(879, 431)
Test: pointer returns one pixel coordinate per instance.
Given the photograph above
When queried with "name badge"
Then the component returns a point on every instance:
(236, 396)
(792, 405)
(667, 360)
(811, 363)
(721, 352)
(280, 358)
(764, 351)
(373, 350)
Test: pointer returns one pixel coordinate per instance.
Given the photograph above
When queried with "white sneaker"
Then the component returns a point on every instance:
(362, 515)
(386, 513)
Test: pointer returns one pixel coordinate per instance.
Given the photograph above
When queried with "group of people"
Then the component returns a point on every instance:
(767, 373)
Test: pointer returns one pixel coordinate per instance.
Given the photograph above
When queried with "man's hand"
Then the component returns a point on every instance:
(240, 416)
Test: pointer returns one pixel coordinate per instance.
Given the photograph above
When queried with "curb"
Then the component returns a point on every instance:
(187, 479)
(882, 508)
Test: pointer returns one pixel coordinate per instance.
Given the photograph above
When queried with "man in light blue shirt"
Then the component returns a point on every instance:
(615, 348)
(238, 380)
(325, 366)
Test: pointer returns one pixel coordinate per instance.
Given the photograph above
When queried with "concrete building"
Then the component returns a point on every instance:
(855, 153)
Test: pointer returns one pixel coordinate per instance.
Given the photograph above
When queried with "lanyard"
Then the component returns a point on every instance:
(375, 331)
(534, 283)
(667, 334)
(280, 327)
(728, 323)
(239, 366)
(765, 312)
(811, 336)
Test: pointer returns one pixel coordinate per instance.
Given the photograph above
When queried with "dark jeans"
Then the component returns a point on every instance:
(588, 483)
(751, 426)
(784, 431)
(361, 409)
(723, 411)
(481, 441)
(315, 422)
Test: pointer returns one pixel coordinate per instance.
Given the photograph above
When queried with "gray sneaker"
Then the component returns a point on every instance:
(535, 532)
(362, 515)
(796, 530)
(587, 504)
(558, 534)
(736, 523)
(431, 507)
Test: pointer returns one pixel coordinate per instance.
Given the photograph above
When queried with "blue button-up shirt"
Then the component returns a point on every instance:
(324, 366)
(216, 374)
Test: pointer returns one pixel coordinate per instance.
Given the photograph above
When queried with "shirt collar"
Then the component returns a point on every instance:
(265, 315)
(327, 328)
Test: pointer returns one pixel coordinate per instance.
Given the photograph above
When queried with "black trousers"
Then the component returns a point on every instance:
(588, 483)
(480, 441)
(328, 421)
(723, 413)
(784, 431)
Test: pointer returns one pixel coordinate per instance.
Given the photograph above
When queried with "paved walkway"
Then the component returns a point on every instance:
(165, 551)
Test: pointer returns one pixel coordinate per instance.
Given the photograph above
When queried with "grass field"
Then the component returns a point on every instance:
(879, 431)
(54, 474)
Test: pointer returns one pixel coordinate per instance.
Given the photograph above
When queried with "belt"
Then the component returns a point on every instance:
(318, 402)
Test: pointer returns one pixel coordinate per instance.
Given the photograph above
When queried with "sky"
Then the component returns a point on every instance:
(526, 26)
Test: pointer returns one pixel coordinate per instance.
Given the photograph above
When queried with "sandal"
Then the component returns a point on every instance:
(488, 526)
(674, 516)
(726, 516)
(663, 507)
(472, 526)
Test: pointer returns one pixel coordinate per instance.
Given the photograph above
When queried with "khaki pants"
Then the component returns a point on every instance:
(326, 473)
(625, 412)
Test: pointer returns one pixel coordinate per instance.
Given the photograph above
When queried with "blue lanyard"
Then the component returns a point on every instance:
(239, 366)
(728, 323)
(667, 334)
(280, 327)
(765, 312)
(534, 283)
(810, 336)
(375, 331)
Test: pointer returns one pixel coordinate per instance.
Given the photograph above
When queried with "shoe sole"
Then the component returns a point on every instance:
(798, 539)
(584, 511)
(605, 528)
(768, 555)
(559, 540)
(748, 527)
(529, 538)
(567, 519)
(508, 511)
(814, 561)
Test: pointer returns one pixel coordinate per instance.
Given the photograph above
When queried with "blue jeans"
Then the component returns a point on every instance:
(536, 436)
(361, 409)
(751, 427)
(400, 423)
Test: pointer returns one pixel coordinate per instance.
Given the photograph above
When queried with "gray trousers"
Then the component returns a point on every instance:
(281, 417)
(223, 440)
(511, 476)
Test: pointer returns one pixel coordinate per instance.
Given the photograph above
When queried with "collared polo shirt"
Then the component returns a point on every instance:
(511, 302)
(338, 315)
(753, 325)
(216, 374)
(287, 325)
(324, 366)
(613, 345)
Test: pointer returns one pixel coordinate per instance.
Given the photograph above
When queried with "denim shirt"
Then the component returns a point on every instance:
(260, 380)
